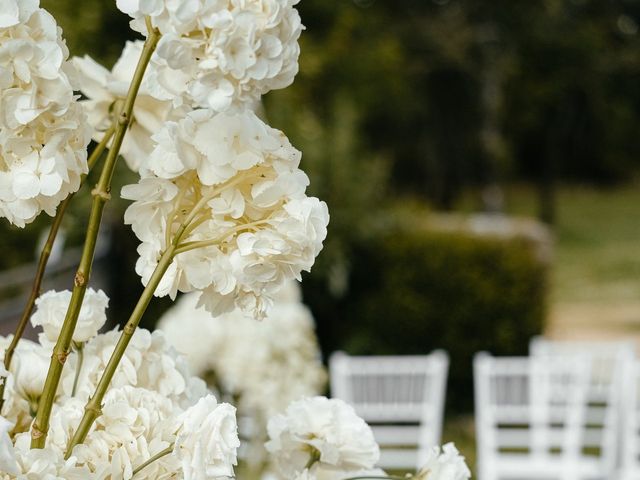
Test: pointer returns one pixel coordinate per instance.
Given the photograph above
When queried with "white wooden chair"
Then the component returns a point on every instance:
(609, 360)
(401, 397)
(531, 419)
(630, 469)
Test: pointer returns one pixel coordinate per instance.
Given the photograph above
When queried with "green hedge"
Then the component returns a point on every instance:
(414, 291)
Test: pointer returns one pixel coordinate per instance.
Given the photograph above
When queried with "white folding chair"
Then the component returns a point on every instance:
(609, 361)
(630, 469)
(401, 397)
(531, 419)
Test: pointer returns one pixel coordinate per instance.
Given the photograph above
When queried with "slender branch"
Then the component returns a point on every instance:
(187, 246)
(157, 456)
(100, 197)
(44, 259)
(93, 408)
(80, 350)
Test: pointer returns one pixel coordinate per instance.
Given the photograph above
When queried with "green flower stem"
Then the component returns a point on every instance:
(44, 259)
(313, 459)
(157, 456)
(80, 351)
(93, 408)
(100, 197)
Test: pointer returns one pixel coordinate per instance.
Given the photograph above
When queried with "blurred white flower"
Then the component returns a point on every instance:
(222, 54)
(264, 365)
(8, 462)
(13, 12)
(105, 89)
(207, 441)
(29, 369)
(51, 309)
(445, 465)
(328, 428)
(43, 136)
(252, 227)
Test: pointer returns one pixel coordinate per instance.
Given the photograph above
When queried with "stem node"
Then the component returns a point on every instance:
(96, 192)
(79, 280)
(61, 357)
(36, 432)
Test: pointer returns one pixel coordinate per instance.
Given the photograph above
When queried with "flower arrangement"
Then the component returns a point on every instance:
(221, 213)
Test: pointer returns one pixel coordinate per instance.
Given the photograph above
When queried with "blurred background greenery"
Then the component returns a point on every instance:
(410, 108)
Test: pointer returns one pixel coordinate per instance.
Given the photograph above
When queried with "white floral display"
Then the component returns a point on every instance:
(264, 366)
(253, 225)
(328, 429)
(221, 211)
(105, 90)
(222, 54)
(43, 132)
(51, 308)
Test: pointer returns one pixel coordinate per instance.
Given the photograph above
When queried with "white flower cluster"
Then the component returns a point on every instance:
(323, 439)
(327, 430)
(153, 404)
(51, 308)
(264, 365)
(222, 54)
(43, 132)
(445, 465)
(106, 90)
(234, 183)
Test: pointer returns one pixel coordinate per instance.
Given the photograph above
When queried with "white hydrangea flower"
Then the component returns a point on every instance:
(207, 441)
(326, 427)
(104, 89)
(445, 465)
(265, 365)
(8, 462)
(222, 54)
(43, 136)
(13, 12)
(258, 227)
(46, 464)
(149, 363)
(135, 425)
(29, 369)
(51, 309)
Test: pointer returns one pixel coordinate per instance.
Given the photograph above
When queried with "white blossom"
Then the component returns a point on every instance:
(51, 309)
(149, 362)
(29, 369)
(325, 427)
(265, 365)
(43, 135)
(222, 54)
(207, 441)
(106, 91)
(8, 462)
(250, 218)
(445, 465)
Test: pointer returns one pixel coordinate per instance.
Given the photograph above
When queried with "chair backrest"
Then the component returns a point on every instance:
(401, 397)
(609, 360)
(529, 408)
(631, 424)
